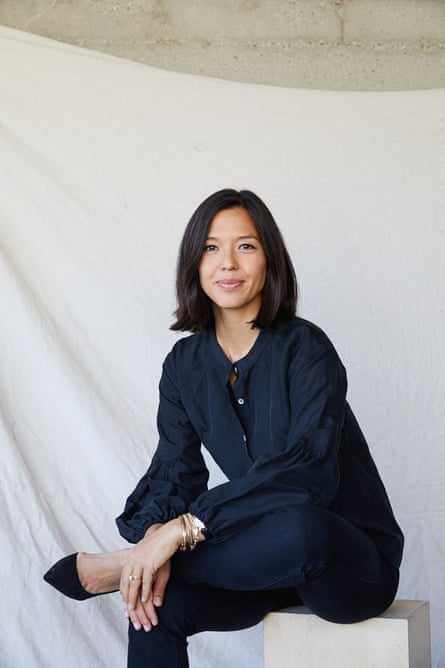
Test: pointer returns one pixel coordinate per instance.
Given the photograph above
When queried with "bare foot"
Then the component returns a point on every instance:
(101, 573)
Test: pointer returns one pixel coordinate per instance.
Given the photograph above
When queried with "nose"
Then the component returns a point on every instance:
(228, 260)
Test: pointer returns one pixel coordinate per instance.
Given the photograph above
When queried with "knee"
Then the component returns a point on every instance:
(176, 613)
(166, 643)
(160, 647)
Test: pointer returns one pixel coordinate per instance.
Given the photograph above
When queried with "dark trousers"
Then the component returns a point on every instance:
(307, 556)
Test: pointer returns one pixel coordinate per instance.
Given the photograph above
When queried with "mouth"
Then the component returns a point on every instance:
(229, 284)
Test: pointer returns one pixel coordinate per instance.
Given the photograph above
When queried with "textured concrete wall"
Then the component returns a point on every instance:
(339, 44)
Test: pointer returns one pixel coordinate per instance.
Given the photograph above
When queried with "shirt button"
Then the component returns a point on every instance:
(240, 401)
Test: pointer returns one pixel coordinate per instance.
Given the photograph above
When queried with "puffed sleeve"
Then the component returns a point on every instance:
(177, 473)
(305, 470)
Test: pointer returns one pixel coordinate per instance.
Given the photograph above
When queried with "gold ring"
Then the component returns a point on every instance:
(134, 577)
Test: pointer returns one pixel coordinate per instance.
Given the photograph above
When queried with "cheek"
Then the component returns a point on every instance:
(203, 270)
(262, 273)
(204, 273)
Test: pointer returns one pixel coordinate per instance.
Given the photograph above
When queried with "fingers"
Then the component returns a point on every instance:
(129, 586)
(134, 577)
(147, 584)
(133, 592)
(150, 612)
(137, 584)
(143, 616)
(160, 584)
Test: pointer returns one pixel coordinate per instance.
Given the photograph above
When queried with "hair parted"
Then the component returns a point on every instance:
(279, 298)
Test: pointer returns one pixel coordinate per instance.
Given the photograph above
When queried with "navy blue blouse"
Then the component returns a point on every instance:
(283, 434)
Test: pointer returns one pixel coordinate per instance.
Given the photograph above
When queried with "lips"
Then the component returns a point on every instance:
(229, 284)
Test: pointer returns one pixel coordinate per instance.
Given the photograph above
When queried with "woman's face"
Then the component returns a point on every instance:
(233, 265)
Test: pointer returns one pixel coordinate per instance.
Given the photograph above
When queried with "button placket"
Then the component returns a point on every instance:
(238, 401)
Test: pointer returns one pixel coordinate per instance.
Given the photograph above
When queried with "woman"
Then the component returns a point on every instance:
(304, 517)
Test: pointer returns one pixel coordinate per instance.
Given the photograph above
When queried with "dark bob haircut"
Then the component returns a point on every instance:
(279, 297)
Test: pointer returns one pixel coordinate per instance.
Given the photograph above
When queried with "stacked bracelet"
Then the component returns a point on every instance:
(190, 532)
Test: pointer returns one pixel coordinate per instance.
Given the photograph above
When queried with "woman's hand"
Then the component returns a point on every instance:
(144, 615)
(149, 564)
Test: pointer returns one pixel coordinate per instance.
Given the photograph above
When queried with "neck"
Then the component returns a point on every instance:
(235, 338)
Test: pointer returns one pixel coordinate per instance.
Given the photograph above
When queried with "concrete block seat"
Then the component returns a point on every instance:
(399, 638)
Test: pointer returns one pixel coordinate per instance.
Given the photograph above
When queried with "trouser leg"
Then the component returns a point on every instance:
(305, 556)
(345, 598)
(336, 568)
(190, 609)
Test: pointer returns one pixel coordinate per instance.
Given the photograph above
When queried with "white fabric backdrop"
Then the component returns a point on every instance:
(102, 161)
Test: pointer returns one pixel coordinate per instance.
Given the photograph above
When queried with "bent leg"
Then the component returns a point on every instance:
(331, 563)
(190, 609)
(345, 598)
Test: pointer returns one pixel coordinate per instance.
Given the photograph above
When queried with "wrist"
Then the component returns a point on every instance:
(191, 531)
(177, 531)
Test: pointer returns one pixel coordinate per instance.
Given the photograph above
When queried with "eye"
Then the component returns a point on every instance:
(246, 246)
(208, 248)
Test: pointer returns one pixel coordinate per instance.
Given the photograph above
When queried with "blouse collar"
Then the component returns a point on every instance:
(246, 362)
